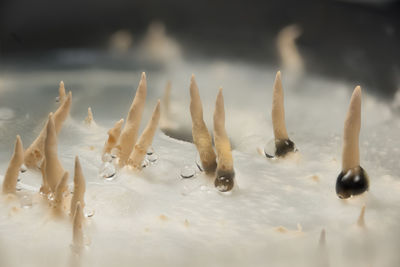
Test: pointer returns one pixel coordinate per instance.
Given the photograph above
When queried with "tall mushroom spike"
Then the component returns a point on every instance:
(130, 131)
(145, 140)
(53, 168)
(79, 187)
(11, 175)
(353, 179)
(278, 110)
(201, 136)
(225, 174)
(35, 152)
(113, 135)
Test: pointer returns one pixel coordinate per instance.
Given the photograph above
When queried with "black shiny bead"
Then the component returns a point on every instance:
(283, 147)
(225, 180)
(352, 182)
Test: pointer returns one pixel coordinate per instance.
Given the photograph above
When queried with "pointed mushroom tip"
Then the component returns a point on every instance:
(62, 83)
(18, 137)
(143, 76)
(193, 77)
(357, 90)
(76, 159)
(278, 74)
(69, 94)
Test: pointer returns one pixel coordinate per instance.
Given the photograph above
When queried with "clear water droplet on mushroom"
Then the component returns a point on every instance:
(107, 171)
(150, 151)
(152, 158)
(188, 171)
(26, 201)
(145, 163)
(89, 212)
(107, 157)
(23, 168)
(198, 163)
(269, 149)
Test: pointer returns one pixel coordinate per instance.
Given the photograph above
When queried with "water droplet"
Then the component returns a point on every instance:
(188, 171)
(26, 202)
(23, 168)
(145, 163)
(150, 151)
(198, 163)
(270, 149)
(114, 153)
(107, 171)
(50, 196)
(89, 212)
(152, 157)
(106, 157)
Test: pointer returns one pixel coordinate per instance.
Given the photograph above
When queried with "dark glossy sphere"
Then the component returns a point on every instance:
(352, 182)
(283, 147)
(225, 180)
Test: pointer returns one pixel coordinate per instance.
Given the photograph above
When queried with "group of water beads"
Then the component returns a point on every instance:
(27, 190)
(108, 170)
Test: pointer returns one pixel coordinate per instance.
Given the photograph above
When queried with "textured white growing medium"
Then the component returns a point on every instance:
(155, 218)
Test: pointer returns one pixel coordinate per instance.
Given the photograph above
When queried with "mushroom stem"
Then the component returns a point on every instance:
(89, 120)
(130, 131)
(59, 195)
(78, 220)
(35, 152)
(225, 173)
(61, 92)
(79, 187)
(113, 135)
(201, 136)
(352, 126)
(145, 140)
(11, 175)
(278, 110)
(53, 168)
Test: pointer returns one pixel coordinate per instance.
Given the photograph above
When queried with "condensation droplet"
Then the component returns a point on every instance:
(26, 202)
(152, 157)
(89, 212)
(107, 171)
(188, 171)
(198, 163)
(145, 163)
(23, 168)
(270, 149)
(107, 157)
(150, 151)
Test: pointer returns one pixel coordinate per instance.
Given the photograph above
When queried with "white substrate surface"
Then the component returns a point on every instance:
(156, 218)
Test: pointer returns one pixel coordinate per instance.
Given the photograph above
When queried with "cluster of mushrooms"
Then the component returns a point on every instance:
(130, 151)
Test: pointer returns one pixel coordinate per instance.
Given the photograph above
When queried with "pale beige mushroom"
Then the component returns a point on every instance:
(352, 126)
(11, 175)
(79, 187)
(89, 120)
(139, 151)
(129, 133)
(35, 152)
(225, 173)
(61, 92)
(60, 195)
(77, 231)
(113, 135)
(322, 259)
(165, 119)
(53, 168)
(278, 110)
(201, 136)
(291, 59)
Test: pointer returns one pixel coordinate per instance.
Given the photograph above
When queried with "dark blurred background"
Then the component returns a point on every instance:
(358, 41)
